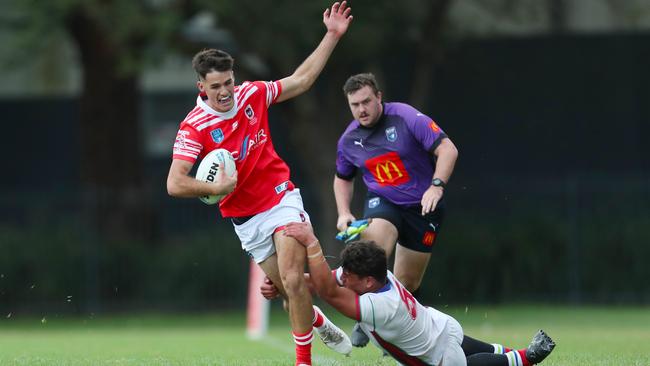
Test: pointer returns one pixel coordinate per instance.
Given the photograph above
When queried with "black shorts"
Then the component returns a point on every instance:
(414, 231)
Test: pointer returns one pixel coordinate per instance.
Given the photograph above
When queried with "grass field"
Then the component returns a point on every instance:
(585, 336)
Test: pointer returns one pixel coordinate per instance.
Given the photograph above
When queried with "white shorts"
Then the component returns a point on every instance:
(452, 354)
(256, 234)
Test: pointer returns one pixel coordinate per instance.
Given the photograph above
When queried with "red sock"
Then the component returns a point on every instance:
(522, 353)
(318, 318)
(303, 347)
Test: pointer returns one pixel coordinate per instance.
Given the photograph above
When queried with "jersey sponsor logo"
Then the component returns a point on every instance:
(428, 238)
(434, 126)
(388, 169)
(217, 135)
(249, 144)
(282, 187)
(373, 202)
(391, 134)
(250, 114)
(180, 140)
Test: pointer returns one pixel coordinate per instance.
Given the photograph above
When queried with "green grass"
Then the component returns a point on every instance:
(584, 335)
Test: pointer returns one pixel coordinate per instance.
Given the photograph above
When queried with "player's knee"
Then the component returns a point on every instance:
(293, 282)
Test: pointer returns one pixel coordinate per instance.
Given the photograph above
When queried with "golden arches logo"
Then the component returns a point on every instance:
(428, 238)
(387, 167)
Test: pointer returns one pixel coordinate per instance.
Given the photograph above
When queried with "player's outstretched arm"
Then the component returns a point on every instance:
(342, 299)
(336, 19)
(180, 184)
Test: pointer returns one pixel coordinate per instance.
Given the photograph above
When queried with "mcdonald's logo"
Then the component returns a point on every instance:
(428, 238)
(388, 169)
(434, 127)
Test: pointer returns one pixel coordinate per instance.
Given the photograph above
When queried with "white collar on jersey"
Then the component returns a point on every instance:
(223, 115)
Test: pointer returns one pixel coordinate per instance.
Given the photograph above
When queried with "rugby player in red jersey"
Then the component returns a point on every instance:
(261, 197)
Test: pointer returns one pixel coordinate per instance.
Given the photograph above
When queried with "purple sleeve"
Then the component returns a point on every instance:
(425, 130)
(344, 168)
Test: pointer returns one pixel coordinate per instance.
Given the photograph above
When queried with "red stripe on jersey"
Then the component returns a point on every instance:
(197, 117)
(278, 92)
(244, 96)
(184, 157)
(356, 302)
(398, 353)
(203, 120)
(194, 112)
(241, 89)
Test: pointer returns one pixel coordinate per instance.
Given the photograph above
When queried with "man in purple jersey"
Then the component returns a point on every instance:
(406, 161)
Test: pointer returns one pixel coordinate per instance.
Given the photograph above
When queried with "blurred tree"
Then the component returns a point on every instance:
(114, 40)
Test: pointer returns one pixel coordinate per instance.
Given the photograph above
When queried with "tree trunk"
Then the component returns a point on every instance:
(111, 155)
(427, 52)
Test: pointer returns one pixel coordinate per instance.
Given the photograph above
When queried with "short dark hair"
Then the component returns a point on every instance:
(365, 258)
(210, 60)
(358, 81)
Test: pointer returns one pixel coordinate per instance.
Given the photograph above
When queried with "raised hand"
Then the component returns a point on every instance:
(337, 18)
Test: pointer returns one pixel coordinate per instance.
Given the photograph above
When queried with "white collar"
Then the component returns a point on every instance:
(223, 115)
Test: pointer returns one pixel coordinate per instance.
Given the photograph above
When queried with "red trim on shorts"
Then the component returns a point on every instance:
(279, 228)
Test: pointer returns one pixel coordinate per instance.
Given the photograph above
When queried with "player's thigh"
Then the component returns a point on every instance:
(382, 232)
(272, 271)
(410, 266)
(291, 254)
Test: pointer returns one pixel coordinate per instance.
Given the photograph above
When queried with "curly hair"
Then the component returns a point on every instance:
(365, 258)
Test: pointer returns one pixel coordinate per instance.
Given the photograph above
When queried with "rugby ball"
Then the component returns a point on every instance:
(209, 167)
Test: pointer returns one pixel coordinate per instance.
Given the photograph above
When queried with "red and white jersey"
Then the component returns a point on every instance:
(396, 322)
(263, 176)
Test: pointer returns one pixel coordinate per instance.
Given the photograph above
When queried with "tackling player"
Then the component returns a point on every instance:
(261, 196)
(392, 318)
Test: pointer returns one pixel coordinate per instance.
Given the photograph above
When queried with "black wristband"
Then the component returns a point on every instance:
(438, 182)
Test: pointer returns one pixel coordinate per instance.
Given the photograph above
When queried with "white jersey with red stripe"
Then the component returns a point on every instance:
(396, 322)
(263, 177)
